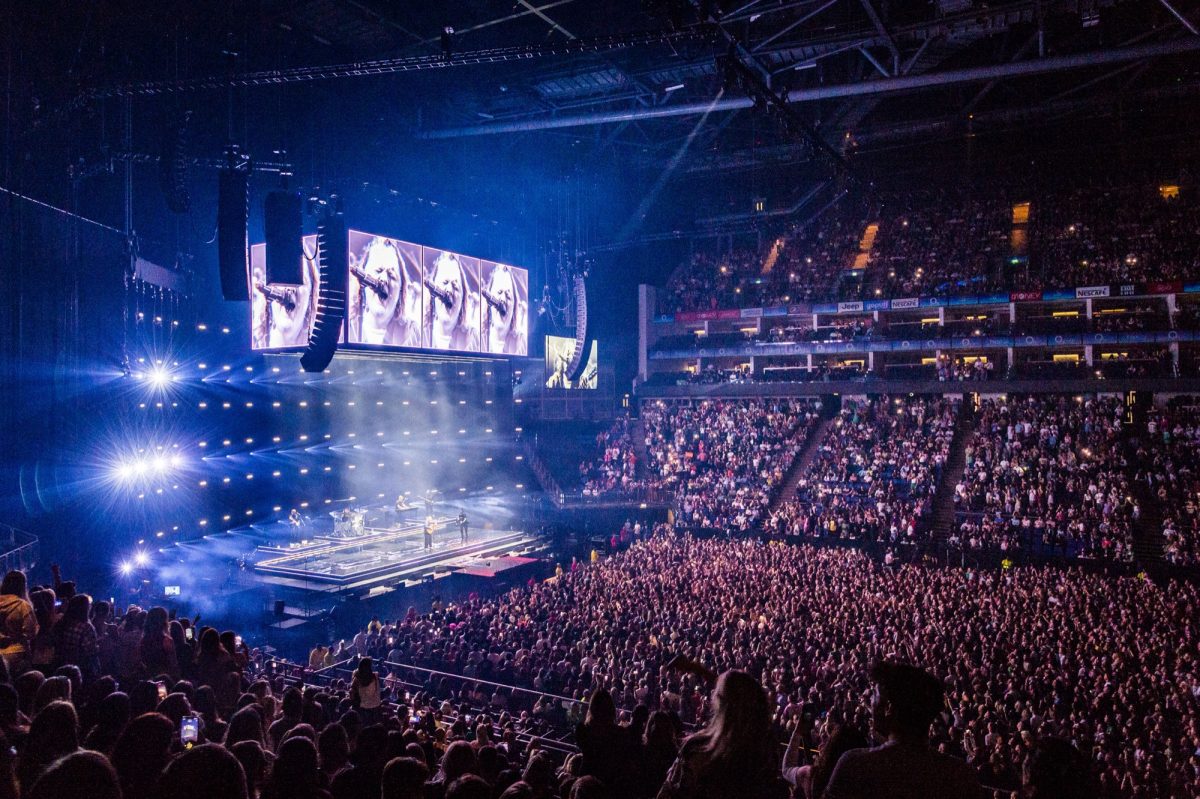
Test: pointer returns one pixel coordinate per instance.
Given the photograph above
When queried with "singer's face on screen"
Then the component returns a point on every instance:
(502, 288)
(382, 264)
(448, 280)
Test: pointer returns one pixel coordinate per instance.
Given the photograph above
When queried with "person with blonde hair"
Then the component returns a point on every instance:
(735, 754)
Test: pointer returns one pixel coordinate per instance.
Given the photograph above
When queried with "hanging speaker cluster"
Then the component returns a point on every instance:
(283, 227)
(174, 163)
(233, 198)
(334, 274)
(583, 334)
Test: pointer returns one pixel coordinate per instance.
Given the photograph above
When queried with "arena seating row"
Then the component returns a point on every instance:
(957, 241)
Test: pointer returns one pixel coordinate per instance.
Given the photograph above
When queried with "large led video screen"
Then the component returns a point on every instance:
(558, 356)
(452, 314)
(282, 316)
(400, 295)
(505, 298)
(384, 303)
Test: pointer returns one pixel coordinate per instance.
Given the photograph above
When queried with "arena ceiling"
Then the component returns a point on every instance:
(646, 85)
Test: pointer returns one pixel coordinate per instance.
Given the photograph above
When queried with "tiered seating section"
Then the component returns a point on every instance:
(1048, 474)
(724, 459)
(958, 241)
(874, 475)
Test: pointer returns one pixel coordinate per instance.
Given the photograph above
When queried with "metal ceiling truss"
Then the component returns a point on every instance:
(1042, 66)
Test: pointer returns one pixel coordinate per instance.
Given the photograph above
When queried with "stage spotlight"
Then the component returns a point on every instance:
(141, 559)
(125, 471)
(158, 377)
(126, 568)
(160, 464)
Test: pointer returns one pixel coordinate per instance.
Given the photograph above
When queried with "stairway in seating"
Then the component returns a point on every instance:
(638, 434)
(952, 472)
(799, 466)
(1147, 530)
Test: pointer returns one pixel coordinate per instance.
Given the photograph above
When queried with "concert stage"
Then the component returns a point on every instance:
(381, 558)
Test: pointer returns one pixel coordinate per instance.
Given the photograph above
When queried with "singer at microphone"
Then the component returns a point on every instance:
(286, 297)
(444, 296)
(496, 303)
(375, 284)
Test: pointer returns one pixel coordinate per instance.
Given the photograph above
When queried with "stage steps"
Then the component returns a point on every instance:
(952, 472)
(799, 467)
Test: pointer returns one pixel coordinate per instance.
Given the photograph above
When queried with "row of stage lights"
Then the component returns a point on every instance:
(159, 375)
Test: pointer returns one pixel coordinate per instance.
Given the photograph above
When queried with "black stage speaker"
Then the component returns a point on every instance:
(280, 608)
(283, 233)
(233, 196)
(334, 252)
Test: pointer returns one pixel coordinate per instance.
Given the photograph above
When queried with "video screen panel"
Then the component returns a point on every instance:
(384, 306)
(400, 295)
(452, 314)
(558, 356)
(505, 303)
(282, 316)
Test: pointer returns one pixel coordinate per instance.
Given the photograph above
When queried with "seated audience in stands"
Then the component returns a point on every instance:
(1047, 473)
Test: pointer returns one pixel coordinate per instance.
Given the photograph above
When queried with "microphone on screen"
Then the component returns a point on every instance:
(373, 283)
(285, 297)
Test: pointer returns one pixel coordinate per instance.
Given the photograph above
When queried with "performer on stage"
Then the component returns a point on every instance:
(429, 532)
(294, 518)
(402, 504)
(462, 526)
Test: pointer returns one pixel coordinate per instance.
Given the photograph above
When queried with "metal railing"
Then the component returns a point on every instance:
(21, 549)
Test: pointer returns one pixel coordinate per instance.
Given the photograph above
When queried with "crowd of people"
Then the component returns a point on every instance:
(1108, 666)
(1047, 473)
(1166, 463)
(874, 475)
(956, 241)
(723, 460)
(615, 467)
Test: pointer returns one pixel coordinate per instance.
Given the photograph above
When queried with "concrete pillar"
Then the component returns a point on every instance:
(1087, 351)
(1088, 305)
(1172, 308)
(871, 360)
(1174, 348)
(1011, 362)
(809, 357)
(941, 316)
(815, 323)
(1012, 313)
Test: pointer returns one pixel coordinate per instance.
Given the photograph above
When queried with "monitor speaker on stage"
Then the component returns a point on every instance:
(280, 608)
(282, 219)
(233, 196)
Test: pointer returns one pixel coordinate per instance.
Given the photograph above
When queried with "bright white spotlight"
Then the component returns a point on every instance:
(160, 464)
(140, 467)
(176, 461)
(141, 559)
(126, 568)
(125, 471)
(158, 376)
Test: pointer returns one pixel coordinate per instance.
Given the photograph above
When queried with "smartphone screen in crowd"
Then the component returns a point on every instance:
(188, 633)
(162, 691)
(189, 730)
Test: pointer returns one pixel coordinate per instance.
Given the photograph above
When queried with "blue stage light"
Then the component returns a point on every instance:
(141, 559)
(126, 568)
